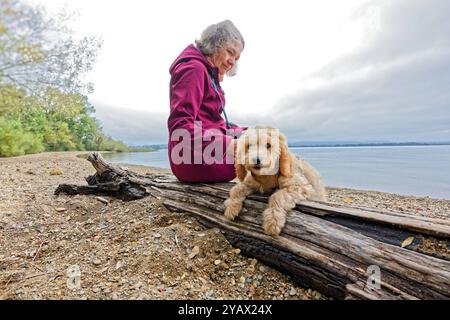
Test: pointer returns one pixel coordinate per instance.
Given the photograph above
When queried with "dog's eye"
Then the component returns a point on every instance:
(268, 145)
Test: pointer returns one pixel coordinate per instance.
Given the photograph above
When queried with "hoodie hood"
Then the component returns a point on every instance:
(193, 53)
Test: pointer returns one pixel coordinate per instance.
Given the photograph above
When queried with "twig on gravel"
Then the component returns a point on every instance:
(33, 265)
(9, 280)
(37, 252)
(38, 275)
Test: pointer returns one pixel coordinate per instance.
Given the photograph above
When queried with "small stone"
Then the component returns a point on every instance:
(253, 262)
(192, 255)
(96, 290)
(168, 292)
(118, 265)
(217, 262)
(262, 268)
(242, 279)
(237, 251)
(157, 235)
(103, 200)
(96, 262)
(60, 209)
(55, 172)
(318, 296)
(195, 251)
(250, 269)
(224, 265)
(252, 290)
(210, 294)
(292, 292)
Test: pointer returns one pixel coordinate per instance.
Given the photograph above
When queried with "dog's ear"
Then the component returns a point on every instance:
(239, 166)
(241, 173)
(285, 159)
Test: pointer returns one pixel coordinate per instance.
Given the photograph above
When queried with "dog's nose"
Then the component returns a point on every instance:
(257, 161)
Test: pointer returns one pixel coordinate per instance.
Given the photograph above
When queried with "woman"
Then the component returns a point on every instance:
(200, 140)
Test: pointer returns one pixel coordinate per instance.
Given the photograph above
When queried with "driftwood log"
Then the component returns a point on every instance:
(333, 249)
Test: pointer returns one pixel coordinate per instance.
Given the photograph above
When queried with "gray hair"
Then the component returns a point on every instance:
(217, 35)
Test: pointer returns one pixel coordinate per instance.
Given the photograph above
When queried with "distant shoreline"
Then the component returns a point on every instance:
(344, 145)
(400, 144)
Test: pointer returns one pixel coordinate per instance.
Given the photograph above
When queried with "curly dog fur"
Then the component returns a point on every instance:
(263, 163)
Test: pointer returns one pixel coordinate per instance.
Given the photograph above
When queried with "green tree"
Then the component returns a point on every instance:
(15, 141)
(43, 103)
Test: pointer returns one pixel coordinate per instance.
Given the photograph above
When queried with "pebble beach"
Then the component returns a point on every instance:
(137, 249)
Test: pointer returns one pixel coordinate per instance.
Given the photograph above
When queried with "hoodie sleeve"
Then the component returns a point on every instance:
(186, 93)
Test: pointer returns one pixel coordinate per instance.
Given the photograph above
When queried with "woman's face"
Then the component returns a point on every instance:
(226, 57)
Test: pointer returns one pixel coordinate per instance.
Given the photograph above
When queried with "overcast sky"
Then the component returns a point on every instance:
(319, 70)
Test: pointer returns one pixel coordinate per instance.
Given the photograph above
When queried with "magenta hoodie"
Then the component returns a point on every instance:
(194, 98)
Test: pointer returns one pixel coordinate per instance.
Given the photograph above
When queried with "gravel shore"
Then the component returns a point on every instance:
(134, 250)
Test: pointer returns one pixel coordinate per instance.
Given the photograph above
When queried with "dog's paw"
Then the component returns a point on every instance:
(274, 220)
(232, 209)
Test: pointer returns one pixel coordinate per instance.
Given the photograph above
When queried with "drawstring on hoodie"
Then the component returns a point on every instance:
(221, 102)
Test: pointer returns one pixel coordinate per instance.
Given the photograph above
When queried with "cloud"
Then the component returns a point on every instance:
(134, 127)
(393, 87)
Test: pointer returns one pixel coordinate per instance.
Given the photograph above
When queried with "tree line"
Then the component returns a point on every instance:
(43, 94)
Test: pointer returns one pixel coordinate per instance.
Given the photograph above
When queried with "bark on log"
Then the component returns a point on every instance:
(326, 247)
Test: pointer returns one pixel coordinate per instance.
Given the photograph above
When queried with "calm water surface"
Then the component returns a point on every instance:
(416, 170)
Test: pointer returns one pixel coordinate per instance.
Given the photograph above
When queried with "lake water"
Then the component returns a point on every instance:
(415, 170)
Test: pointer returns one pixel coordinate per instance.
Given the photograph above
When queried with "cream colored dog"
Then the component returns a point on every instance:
(263, 163)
